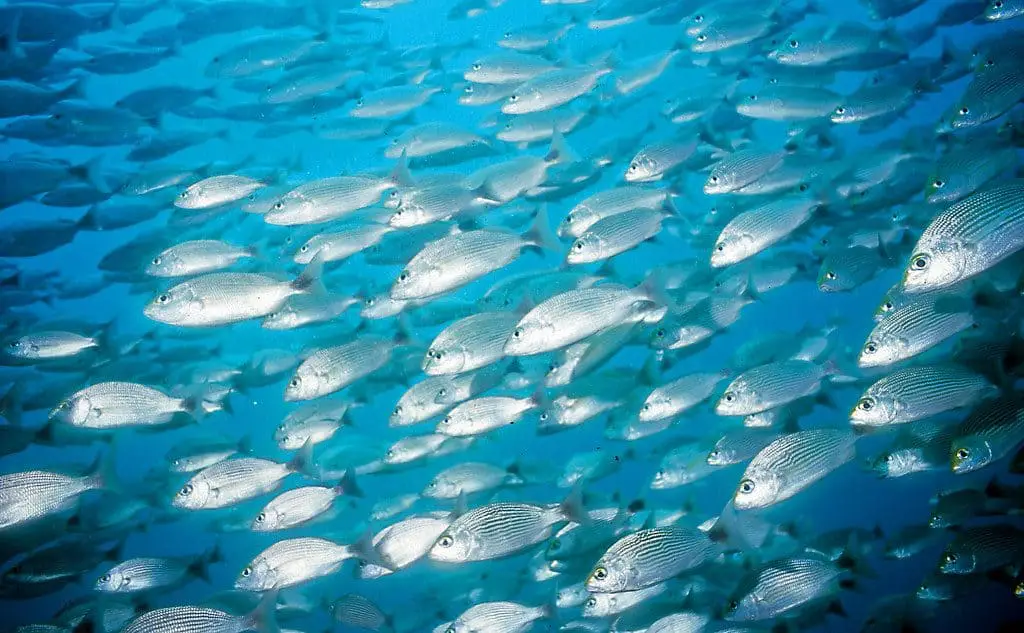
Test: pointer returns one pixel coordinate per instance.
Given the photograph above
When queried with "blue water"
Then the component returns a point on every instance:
(847, 498)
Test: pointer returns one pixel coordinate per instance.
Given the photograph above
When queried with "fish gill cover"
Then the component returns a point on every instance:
(511, 315)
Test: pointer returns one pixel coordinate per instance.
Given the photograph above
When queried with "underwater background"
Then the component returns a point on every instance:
(283, 145)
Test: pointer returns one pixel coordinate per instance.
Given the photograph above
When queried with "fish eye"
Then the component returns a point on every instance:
(647, 406)
(600, 573)
(295, 382)
(544, 416)
(578, 245)
(247, 571)
(513, 98)
(939, 184)
(733, 605)
(404, 276)
(592, 602)
(183, 194)
(518, 332)
(156, 261)
(186, 490)
(698, 18)
(870, 348)
(304, 248)
(794, 44)
(840, 110)
(398, 410)
(555, 544)
(278, 205)
(998, 4)
(633, 167)
(359, 103)
(660, 332)
(105, 578)
(163, 299)
(261, 517)
(920, 262)
(887, 306)
(477, 66)
(447, 420)
(949, 558)
(370, 302)
(468, 89)
(866, 404)
(720, 248)
(442, 393)
(714, 454)
(15, 344)
(752, 97)
(728, 396)
(746, 486)
(445, 541)
(127, 581)
(964, 111)
(390, 453)
(962, 453)
(714, 179)
(702, 37)
(831, 276)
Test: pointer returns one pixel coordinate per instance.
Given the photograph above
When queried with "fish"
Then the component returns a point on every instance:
(236, 480)
(648, 557)
(919, 392)
(966, 239)
(773, 385)
(792, 463)
(991, 432)
(913, 328)
(294, 561)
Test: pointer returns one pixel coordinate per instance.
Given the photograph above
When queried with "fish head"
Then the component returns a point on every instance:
(587, 248)
(194, 197)
(529, 337)
(832, 279)
(571, 596)
(878, 351)
(267, 520)
(393, 199)
(888, 304)
(310, 249)
(721, 456)
(732, 247)
(194, 494)
(257, 576)
(599, 605)
(746, 608)
(643, 168)
(166, 264)
(941, 190)
(113, 581)
(935, 589)
(284, 319)
(576, 221)
(760, 487)
(656, 407)
(738, 399)
(613, 573)
(939, 266)
(874, 410)
(408, 213)
(304, 385)
(21, 348)
(525, 99)
(455, 545)
(176, 306)
(967, 115)
(441, 487)
(559, 372)
(290, 208)
(416, 282)
(75, 410)
(444, 360)
(957, 560)
(1003, 10)
(969, 453)
(897, 463)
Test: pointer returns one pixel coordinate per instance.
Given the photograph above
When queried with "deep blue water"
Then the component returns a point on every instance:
(847, 498)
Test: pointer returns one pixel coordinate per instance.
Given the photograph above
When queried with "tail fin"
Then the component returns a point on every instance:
(572, 508)
(400, 175)
(309, 281)
(10, 405)
(560, 151)
(103, 472)
(91, 171)
(363, 549)
(540, 236)
(303, 459)
(263, 618)
(200, 567)
(348, 486)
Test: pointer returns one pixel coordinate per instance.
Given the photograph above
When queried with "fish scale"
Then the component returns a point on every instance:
(332, 368)
(409, 540)
(608, 203)
(753, 231)
(782, 586)
(115, 404)
(359, 612)
(32, 494)
(52, 344)
(332, 247)
(497, 617)
(187, 619)
(238, 479)
(484, 414)
(990, 94)
(674, 397)
(770, 386)
(151, 573)
(741, 169)
(295, 507)
(504, 528)
(456, 260)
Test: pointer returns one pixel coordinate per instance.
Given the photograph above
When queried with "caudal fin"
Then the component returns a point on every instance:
(263, 618)
(540, 236)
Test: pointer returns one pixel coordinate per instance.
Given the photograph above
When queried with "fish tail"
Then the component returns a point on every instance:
(572, 508)
(309, 280)
(103, 472)
(540, 236)
(347, 485)
(303, 459)
(263, 618)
